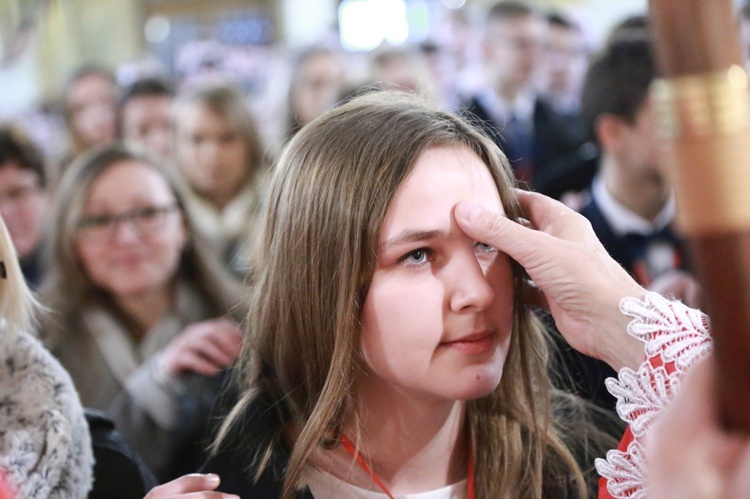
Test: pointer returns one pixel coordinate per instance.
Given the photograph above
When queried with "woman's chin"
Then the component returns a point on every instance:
(480, 383)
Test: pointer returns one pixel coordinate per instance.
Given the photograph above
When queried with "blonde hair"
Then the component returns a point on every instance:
(17, 304)
(331, 190)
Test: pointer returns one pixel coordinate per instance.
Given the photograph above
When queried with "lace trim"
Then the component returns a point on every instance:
(624, 472)
(675, 337)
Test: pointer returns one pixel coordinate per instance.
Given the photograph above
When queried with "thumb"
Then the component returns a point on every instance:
(497, 230)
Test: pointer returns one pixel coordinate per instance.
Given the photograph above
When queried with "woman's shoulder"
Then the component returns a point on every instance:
(45, 445)
(29, 371)
(253, 439)
(57, 324)
(236, 467)
(236, 471)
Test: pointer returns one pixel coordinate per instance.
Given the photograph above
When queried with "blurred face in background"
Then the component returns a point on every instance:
(211, 154)
(146, 123)
(130, 234)
(632, 143)
(91, 107)
(567, 60)
(514, 51)
(319, 83)
(456, 35)
(640, 147)
(401, 70)
(22, 205)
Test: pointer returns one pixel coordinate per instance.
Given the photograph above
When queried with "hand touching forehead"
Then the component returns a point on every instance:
(428, 196)
(437, 317)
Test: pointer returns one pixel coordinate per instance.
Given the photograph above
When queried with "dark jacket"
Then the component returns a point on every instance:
(119, 472)
(554, 136)
(631, 250)
(234, 461)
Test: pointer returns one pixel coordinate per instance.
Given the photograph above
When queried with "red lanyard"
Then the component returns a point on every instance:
(351, 449)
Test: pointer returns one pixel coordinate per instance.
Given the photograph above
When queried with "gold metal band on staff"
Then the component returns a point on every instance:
(703, 123)
(702, 105)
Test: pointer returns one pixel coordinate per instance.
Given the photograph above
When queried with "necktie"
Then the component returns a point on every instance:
(519, 137)
(653, 254)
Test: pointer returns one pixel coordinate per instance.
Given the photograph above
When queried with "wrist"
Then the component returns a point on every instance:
(160, 371)
(622, 349)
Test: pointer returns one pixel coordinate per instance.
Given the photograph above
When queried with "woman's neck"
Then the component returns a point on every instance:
(412, 444)
(220, 200)
(145, 309)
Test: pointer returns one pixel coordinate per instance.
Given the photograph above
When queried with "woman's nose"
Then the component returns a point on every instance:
(469, 288)
(125, 231)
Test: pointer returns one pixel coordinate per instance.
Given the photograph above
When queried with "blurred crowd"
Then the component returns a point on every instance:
(134, 217)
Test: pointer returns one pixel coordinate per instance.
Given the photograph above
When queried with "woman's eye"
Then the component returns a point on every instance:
(416, 257)
(486, 248)
(227, 138)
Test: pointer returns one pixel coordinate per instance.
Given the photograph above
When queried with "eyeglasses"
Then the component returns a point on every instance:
(146, 221)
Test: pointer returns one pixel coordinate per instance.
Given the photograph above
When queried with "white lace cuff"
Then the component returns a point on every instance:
(675, 337)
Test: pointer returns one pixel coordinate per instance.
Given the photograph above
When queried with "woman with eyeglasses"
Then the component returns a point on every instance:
(139, 315)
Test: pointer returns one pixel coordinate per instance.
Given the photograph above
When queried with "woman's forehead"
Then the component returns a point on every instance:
(441, 178)
(128, 179)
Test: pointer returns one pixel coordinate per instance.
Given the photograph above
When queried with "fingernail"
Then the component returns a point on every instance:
(212, 478)
(468, 210)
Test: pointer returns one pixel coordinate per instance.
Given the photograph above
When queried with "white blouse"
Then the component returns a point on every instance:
(323, 485)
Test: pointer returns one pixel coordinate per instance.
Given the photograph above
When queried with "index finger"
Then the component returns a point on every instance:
(221, 321)
(227, 336)
(194, 482)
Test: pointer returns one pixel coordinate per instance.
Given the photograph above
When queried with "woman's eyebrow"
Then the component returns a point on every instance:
(411, 235)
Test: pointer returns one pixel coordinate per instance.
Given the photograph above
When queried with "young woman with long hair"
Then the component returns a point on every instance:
(139, 313)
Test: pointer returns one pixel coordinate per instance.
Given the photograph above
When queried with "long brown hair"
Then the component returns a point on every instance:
(331, 190)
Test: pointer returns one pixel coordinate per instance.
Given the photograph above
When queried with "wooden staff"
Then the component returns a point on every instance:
(702, 107)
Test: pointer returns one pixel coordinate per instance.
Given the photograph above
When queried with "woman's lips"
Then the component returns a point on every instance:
(127, 261)
(473, 344)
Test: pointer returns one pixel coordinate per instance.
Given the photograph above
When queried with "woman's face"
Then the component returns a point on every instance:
(91, 102)
(130, 235)
(437, 318)
(318, 86)
(145, 122)
(211, 154)
(22, 206)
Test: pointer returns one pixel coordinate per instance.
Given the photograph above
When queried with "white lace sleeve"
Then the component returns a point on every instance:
(675, 337)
